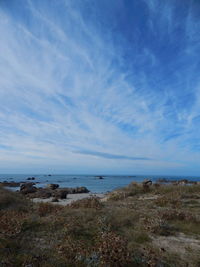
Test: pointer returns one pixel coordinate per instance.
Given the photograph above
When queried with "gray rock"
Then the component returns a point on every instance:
(147, 182)
(54, 200)
(60, 193)
(52, 186)
(27, 188)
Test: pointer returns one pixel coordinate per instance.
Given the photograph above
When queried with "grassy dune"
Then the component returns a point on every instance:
(157, 225)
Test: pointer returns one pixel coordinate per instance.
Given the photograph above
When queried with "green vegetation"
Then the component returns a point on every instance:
(155, 225)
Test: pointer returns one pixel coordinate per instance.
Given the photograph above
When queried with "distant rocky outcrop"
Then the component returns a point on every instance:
(100, 177)
(30, 178)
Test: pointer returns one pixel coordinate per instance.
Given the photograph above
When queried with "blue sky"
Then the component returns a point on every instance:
(98, 86)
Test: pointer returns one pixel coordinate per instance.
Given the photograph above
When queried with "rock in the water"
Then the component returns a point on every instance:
(100, 177)
(30, 178)
(53, 186)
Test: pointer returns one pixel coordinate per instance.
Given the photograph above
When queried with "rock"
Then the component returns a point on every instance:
(10, 184)
(183, 181)
(100, 177)
(54, 200)
(49, 174)
(76, 190)
(81, 189)
(147, 182)
(61, 193)
(52, 186)
(27, 188)
(51, 191)
(30, 178)
(42, 193)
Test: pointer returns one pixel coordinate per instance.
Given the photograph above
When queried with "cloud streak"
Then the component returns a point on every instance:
(109, 156)
(91, 83)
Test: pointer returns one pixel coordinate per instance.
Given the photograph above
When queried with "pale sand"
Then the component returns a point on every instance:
(70, 198)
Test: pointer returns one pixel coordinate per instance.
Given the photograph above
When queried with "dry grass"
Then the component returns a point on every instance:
(135, 227)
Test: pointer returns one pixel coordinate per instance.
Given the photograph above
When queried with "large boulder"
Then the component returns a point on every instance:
(42, 193)
(27, 188)
(60, 193)
(54, 199)
(81, 189)
(52, 186)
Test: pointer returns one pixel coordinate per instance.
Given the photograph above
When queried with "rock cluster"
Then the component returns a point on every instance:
(176, 182)
(52, 186)
(52, 190)
(30, 178)
(28, 188)
(10, 184)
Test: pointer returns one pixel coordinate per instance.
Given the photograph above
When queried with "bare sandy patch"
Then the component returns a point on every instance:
(70, 198)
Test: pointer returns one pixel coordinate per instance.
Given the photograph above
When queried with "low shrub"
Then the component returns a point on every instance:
(12, 201)
(92, 202)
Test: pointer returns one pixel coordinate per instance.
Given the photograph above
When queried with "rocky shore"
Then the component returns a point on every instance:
(65, 195)
(51, 193)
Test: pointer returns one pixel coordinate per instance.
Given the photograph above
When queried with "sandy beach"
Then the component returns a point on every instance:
(70, 198)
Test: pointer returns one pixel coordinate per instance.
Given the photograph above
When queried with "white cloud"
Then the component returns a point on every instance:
(60, 92)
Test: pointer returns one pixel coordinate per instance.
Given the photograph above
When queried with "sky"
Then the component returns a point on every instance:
(98, 86)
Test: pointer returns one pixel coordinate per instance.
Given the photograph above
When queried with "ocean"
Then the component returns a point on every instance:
(92, 182)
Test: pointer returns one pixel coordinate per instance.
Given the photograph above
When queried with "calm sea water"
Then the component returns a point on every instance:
(94, 184)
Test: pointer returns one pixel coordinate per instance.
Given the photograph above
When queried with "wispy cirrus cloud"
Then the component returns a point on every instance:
(108, 155)
(111, 82)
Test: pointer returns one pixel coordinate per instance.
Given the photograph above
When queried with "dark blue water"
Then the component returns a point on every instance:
(94, 184)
